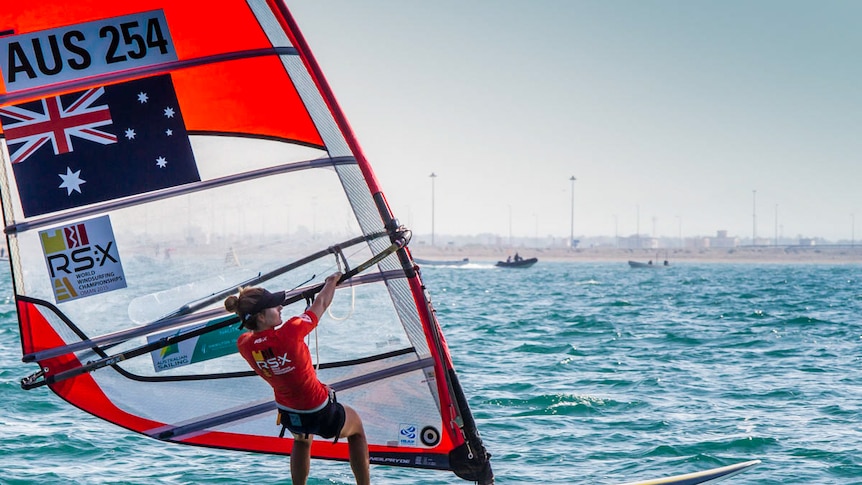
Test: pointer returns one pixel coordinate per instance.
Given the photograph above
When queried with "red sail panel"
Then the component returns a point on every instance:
(220, 98)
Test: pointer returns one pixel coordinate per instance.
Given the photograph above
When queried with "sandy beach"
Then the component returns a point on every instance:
(758, 254)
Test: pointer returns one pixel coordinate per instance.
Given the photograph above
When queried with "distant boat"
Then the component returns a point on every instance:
(649, 265)
(520, 263)
(431, 262)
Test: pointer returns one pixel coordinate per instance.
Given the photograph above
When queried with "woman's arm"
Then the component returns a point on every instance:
(324, 298)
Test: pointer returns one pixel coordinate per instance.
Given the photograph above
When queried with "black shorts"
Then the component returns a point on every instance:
(326, 423)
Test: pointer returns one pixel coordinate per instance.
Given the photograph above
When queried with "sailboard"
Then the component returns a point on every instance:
(713, 475)
(144, 140)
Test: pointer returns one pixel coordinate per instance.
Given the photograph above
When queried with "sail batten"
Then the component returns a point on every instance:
(146, 180)
(177, 191)
(36, 93)
(235, 415)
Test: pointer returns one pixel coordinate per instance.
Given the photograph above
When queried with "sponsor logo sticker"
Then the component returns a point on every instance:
(207, 346)
(407, 435)
(83, 259)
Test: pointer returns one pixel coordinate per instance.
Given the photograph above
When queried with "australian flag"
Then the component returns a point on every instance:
(97, 145)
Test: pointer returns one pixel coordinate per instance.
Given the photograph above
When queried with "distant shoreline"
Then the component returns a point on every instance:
(755, 254)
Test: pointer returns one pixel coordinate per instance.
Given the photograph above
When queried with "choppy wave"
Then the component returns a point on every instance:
(576, 373)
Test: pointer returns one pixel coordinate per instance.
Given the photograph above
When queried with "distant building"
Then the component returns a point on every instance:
(637, 241)
(695, 243)
(721, 240)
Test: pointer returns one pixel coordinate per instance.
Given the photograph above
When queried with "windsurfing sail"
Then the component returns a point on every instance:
(145, 140)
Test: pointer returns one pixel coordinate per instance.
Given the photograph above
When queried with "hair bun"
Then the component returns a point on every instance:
(231, 303)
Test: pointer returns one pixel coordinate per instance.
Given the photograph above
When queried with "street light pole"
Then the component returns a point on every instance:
(510, 225)
(776, 226)
(572, 226)
(433, 176)
(753, 217)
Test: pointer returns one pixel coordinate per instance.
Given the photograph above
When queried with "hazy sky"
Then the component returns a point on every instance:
(674, 110)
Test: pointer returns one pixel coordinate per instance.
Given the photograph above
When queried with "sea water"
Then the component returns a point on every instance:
(577, 373)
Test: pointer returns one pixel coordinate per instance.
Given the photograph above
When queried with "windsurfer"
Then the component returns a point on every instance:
(277, 352)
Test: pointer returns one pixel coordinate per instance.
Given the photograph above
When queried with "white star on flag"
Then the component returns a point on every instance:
(71, 181)
(169, 112)
(130, 133)
(142, 97)
(169, 132)
(161, 162)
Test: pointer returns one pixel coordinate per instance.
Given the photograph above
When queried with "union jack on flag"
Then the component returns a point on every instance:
(108, 142)
(57, 124)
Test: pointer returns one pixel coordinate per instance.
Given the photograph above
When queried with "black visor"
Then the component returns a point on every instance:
(266, 300)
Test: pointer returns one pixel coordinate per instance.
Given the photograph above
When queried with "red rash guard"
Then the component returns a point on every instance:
(282, 358)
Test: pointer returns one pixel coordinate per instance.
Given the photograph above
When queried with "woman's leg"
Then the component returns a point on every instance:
(300, 459)
(358, 445)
